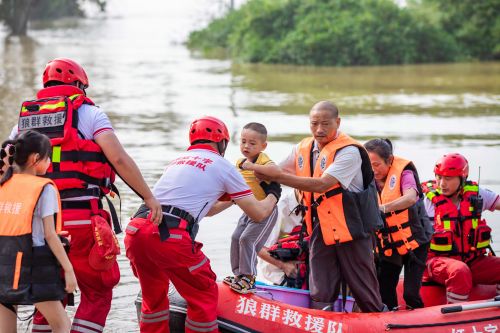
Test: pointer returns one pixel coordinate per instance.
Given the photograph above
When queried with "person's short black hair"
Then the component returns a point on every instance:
(53, 83)
(257, 127)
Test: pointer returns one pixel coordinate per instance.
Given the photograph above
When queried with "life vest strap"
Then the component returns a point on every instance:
(11, 260)
(460, 218)
(172, 210)
(394, 228)
(389, 214)
(79, 175)
(86, 205)
(440, 202)
(82, 204)
(396, 244)
(143, 212)
(83, 156)
(176, 219)
(327, 195)
(83, 192)
(117, 224)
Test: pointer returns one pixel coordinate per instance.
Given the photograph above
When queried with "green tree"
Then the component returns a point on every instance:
(53, 9)
(17, 13)
(328, 32)
(475, 25)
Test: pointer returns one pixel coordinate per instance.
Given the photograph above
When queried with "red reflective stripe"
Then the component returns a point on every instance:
(101, 130)
(492, 208)
(242, 194)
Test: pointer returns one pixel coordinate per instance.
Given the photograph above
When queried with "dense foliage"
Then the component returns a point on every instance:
(51, 9)
(17, 13)
(355, 32)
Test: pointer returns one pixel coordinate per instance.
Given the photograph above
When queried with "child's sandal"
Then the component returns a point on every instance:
(244, 285)
(229, 280)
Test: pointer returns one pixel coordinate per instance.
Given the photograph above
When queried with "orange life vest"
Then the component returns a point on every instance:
(343, 215)
(18, 199)
(397, 233)
(459, 231)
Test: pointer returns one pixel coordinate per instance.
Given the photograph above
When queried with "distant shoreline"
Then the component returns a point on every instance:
(352, 33)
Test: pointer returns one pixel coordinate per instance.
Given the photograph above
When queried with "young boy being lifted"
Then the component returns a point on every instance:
(249, 236)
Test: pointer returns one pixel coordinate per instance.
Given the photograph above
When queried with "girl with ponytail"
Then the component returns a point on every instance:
(29, 222)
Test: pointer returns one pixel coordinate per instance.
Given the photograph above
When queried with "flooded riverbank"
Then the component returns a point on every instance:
(151, 87)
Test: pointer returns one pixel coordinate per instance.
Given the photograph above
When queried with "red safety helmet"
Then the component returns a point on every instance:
(452, 165)
(66, 71)
(208, 128)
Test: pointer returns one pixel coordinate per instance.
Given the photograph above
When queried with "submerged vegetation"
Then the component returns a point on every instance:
(354, 32)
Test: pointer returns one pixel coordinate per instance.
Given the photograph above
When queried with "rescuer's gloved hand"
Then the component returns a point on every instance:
(272, 188)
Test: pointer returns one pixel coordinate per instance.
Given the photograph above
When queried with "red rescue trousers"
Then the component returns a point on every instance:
(95, 286)
(459, 277)
(157, 263)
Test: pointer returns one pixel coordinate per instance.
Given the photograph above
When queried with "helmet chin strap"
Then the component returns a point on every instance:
(81, 86)
(221, 147)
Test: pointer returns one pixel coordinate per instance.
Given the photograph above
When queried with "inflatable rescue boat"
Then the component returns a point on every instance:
(284, 310)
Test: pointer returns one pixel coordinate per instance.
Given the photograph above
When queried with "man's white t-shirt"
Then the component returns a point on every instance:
(197, 179)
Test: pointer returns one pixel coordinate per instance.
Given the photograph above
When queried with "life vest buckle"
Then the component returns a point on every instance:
(106, 183)
(476, 202)
(33, 107)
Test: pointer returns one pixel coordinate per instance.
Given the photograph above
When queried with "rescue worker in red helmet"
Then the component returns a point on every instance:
(85, 153)
(188, 190)
(458, 251)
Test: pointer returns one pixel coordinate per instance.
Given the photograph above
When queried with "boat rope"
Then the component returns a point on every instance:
(388, 327)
